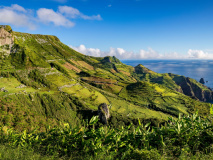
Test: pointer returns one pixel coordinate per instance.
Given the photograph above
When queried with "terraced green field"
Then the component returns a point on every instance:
(49, 83)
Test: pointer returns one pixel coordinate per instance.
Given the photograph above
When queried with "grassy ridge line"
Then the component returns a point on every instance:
(183, 137)
(130, 109)
(43, 64)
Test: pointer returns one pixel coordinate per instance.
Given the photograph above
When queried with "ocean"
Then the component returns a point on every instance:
(195, 69)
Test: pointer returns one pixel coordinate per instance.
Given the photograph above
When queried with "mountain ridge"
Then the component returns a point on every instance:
(63, 85)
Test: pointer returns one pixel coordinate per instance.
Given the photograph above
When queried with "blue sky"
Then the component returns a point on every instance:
(128, 29)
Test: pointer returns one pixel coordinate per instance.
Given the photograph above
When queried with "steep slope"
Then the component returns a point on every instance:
(193, 88)
(44, 82)
(186, 85)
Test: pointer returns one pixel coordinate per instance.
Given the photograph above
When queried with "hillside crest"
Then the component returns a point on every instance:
(49, 83)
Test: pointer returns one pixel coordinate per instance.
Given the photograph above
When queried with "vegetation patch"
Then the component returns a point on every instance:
(11, 86)
(69, 66)
(184, 137)
(98, 80)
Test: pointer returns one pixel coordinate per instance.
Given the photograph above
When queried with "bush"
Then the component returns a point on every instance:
(185, 136)
(144, 154)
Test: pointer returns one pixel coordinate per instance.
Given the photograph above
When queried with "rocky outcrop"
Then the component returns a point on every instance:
(6, 38)
(203, 94)
(186, 87)
(202, 80)
(103, 112)
(3, 89)
(194, 89)
(21, 86)
(6, 41)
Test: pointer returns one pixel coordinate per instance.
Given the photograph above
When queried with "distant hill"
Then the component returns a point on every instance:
(44, 82)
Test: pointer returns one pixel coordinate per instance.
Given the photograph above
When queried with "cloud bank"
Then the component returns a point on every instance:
(16, 15)
(199, 54)
(50, 16)
(142, 54)
(19, 16)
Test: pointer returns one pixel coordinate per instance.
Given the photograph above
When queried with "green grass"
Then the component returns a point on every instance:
(134, 111)
(11, 85)
(56, 94)
(86, 94)
(160, 98)
(23, 111)
(18, 153)
(59, 80)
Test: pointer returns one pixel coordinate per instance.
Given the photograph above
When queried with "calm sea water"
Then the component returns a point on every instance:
(195, 69)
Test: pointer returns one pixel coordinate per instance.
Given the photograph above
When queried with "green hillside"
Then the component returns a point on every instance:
(44, 82)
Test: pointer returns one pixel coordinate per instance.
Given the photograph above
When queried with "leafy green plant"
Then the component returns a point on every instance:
(186, 134)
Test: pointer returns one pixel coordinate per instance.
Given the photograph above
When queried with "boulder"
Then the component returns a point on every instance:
(103, 113)
(21, 86)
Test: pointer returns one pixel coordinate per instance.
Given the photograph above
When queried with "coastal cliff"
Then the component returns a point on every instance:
(182, 84)
(194, 89)
(60, 85)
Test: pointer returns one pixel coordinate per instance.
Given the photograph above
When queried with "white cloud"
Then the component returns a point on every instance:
(199, 54)
(75, 13)
(97, 17)
(117, 52)
(63, 15)
(69, 11)
(19, 16)
(88, 51)
(50, 16)
(143, 54)
(16, 15)
(149, 54)
(16, 7)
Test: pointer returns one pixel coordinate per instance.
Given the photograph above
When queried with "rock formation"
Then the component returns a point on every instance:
(202, 80)
(6, 38)
(3, 89)
(103, 112)
(193, 90)
(6, 41)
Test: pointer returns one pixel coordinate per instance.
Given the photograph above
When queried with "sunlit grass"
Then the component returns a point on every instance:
(11, 85)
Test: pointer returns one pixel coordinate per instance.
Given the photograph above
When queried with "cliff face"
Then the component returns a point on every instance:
(203, 94)
(185, 85)
(6, 38)
(6, 42)
(193, 89)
